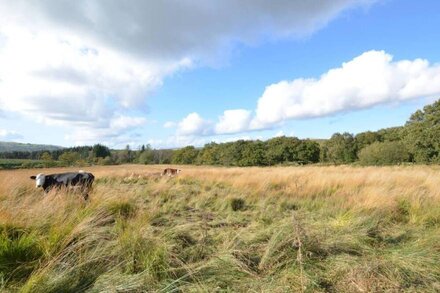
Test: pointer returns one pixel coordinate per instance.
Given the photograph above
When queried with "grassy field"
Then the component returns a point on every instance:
(284, 229)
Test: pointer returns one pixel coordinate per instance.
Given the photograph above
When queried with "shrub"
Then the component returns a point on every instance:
(237, 204)
(104, 161)
(384, 153)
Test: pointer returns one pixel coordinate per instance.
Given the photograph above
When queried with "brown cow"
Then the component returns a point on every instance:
(170, 172)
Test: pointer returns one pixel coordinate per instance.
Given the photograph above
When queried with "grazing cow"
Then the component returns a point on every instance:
(81, 180)
(170, 172)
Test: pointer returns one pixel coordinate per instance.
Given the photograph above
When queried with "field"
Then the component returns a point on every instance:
(282, 229)
(19, 163)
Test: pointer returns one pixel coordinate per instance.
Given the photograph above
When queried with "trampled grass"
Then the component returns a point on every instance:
(283, 229)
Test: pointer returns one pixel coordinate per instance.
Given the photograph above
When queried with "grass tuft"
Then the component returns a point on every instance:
(237, 204)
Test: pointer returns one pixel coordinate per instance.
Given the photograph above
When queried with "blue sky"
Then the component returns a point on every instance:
(71, 80)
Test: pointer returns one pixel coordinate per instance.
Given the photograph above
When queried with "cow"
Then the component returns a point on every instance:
(82, 180)
(170, 172)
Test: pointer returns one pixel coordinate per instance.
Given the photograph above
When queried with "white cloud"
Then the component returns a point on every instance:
(233, 121)
(119, 132)
(279, 133)
(62, 79)
(9, 135)
(170, 124)
(126, 122)
(193, 124)
(370, 79)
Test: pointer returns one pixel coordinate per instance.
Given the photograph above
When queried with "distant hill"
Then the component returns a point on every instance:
(25, 147)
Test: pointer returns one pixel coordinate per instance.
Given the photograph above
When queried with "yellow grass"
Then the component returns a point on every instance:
(313, 228)
(359, 186)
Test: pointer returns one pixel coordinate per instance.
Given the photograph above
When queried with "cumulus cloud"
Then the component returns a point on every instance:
(233, 121)
(119, 131)
(77, 63)
(370, 79)
(194, 124)
(56, 79)
(9, 135)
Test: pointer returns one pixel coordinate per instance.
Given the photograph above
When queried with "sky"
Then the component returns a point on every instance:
(173, 73)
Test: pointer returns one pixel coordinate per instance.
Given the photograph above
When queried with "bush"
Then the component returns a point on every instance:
(384, 153)
(146, 157)
(104, 161)
(237, 204)
(186, 155)
(339, 149)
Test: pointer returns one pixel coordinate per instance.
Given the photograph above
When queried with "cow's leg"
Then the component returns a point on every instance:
(85, 192)
(47, 190)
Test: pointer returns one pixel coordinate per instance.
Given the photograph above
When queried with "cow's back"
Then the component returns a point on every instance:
(73, 178)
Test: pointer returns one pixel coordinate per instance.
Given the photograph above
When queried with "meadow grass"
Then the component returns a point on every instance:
(281, 229)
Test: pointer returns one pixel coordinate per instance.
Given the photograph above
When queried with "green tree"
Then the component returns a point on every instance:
(105, 161)
(124, 156)
(384, 153)
(146, 156)
(252, 154)
(46, 156)
(230, 153)
(340, 148)
(281, 150)
(422, 134)
(69, 158)
(186, 155)
(162, 156)
(208, 155)
(307, 151)
(100, 151)
(392, 133)
(366, 138)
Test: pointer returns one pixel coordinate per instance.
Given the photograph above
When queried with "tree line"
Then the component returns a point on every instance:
(418, 141)
(97, 154)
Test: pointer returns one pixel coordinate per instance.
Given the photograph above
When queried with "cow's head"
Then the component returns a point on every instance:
(178, 171)
(39, 179)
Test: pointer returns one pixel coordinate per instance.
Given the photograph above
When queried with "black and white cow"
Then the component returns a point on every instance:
(81, 180)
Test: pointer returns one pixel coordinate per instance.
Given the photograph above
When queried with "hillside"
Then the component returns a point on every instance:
(296, 229)
(25, 147)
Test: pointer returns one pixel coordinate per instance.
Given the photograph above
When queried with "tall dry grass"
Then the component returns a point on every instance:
(303, 229)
